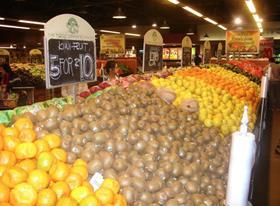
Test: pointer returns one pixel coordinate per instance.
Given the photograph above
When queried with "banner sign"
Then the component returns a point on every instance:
(266, 47)
(152, 57)
(186, 51)
(70, 51)
(243, 41)
(206, 52)
(112, 44)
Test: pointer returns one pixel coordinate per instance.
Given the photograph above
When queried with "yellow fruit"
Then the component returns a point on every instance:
(39, 179)
(119, 200)
(59, 171)
(66, 201)
(81, 170)
(4, 193)
(80, 193)
(23, 195)
(42, 146)
(46, 197)
(59, 154)
(53, 140)
(13, 176)
(105, 195)
(45, 161)
(90, 201)
(61, 189)
(112, 185)
(27, 135)
(25, 150)
(74, 180)
(27, 165)
(23, 123)
(80, 162)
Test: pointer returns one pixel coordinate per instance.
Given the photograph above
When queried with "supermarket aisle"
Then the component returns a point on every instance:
(274, 165)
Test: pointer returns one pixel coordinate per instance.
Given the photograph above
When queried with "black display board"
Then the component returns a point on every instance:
(186, 56)
(152, 57)
(70, 61)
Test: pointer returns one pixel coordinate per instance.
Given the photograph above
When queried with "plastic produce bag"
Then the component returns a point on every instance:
(166, 95)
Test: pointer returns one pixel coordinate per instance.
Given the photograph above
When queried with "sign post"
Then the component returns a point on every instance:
(152, 57)
(4, 56)
(186, 52)
(219, 52)
(206, 52)
(70, 51)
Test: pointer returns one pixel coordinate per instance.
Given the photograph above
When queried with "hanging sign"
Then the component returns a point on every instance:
(112, 44)
(219, 52)
(186, 52)
(70, 51)
(243, 41)
(206, 52)
(34, 52)
(152, 57)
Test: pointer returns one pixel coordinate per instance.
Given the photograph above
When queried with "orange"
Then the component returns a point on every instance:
(80, 193)
(23, 123)
(2, 169)
(23, 195)
(25, 150)
(39, 179)
(13, 176)
(119, 200)
(59, 171)
(66, 201)
(45, 161)
(88, 185)
(59, 154)
(2, 127)
(61, 189)
(27, 135)
(81, 170)
(1, 142)
(53, 140)
(27, 165)
(74, 180)
(7, 158)
(80, 162)
(42, 146)
(4, 193)
(10, 143)
(105, 195)
(46, 197)
(10, 132)
(5, 204)
(112, 185)
(90, 201)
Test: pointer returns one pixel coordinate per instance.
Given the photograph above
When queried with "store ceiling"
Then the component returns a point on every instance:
(141, 12)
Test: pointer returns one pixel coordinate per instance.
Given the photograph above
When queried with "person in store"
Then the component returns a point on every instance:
(9, 78)
(109, 70)
(275, 84)
(197, 59)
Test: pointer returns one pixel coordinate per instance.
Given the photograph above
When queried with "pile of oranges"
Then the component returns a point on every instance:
(34, 172)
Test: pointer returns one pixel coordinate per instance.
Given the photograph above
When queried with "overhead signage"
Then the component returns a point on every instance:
(153, 47)
(70, 51)
(186, 52)
(112, 44)
(206, 52)
(243, 41)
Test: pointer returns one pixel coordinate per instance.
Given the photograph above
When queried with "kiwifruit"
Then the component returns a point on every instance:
(146, 197)
(71, 157)
(130, 194)
(94, 166)
(172, 202)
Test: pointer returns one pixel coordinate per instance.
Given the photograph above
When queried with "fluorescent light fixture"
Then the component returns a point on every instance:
(222, 27)
(237, 21)
(14, 27)
(154, 25)
(190, 33)
(119, 14)
(259, 25)
(1, 18)
(41, 29)
(251, 6)
(132, 34)
(257, 18)
(134, 26)
(111, 32)
(191, 10)
(210, 21)
(6, 47)
(164, 26)
(174, 1)
(261, 30)
(31, 22)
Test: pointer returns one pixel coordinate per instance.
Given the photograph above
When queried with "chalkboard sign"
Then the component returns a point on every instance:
(70, 61)
(153, 57)
(186, 56)
(70, 51)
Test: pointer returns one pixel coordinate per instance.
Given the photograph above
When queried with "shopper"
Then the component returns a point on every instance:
(9, 78)
(275, 84)
(197, 60)
(109, 70)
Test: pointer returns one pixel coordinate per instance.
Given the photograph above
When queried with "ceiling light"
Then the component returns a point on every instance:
(164, 26)
(154, 25)
(134, 26)
(251, 6)
(132, 34)
(222, 27)
(238, 21)
(11, 46)
(261, 30)
(111, 32)
(6, 47)
(189, 9)
(41, 29)
(119, 14)
(14, 27)
(1, 18)
(174, 1)
(259, 25)
(190, 33)
(31, 22)
(206, 35)
(24, 47)
(257, 18)
(210, 21)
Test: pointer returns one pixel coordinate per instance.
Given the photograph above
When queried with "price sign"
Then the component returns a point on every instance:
(152, 58)
(70, 51)
(186, 52)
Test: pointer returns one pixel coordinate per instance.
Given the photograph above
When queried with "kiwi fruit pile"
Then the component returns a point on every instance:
(160, 154)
